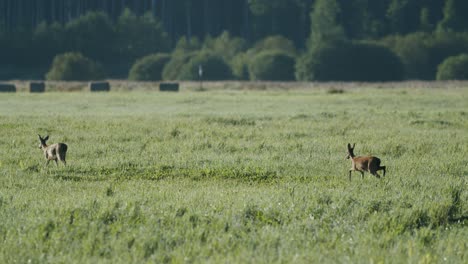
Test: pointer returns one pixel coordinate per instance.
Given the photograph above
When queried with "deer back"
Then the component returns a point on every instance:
(53, 150)
(365, 163)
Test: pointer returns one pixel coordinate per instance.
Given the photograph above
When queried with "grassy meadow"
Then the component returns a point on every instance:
(233, 176)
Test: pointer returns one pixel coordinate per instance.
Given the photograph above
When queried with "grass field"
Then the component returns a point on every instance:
(235, 177)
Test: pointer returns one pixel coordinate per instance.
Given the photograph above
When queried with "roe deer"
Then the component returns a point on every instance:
(364, 163)
(54, 152)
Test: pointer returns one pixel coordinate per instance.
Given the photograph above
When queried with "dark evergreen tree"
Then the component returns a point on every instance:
(33, 31)
(455, 18)
(93, 35)
(138, 36)
(325, 25)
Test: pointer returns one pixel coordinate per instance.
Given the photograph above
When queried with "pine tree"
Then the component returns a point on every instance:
(455, 18)
(325, 26)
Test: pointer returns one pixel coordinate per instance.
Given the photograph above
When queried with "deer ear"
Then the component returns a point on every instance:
(349, 146)
(46, 138)
(354, 145)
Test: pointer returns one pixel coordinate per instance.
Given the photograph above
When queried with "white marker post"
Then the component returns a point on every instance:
(200, 75)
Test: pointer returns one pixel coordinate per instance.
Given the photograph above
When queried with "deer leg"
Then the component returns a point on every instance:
(362, 175)
(383, 168)
(56, 162)
(62, 160)
(350, 174)
(46, 163)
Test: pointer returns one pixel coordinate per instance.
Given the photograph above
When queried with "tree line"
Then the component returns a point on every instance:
(116, 33)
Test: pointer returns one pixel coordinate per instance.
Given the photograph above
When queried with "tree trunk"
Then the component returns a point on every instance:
(206, 20)
(189, 20)
(153, 7)
(246, 30)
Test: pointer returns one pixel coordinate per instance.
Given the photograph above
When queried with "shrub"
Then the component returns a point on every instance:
(413, 51)
(214, 67)
(171, 70)
(74, 66)
(350, 61)
(185, 46)
(225, 45)
(239, 66)
(91, 35)
(183, 52)
(231, 49)
(241, 62)
(48, 41)
(279, 43)
(453, 68)
(149, 68)
(272, 66)
(138, 36)
(421, 53)
(444, 45)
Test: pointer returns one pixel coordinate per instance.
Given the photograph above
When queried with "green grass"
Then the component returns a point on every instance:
(235, 177)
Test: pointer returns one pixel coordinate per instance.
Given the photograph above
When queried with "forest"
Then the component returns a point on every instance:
(284, 40)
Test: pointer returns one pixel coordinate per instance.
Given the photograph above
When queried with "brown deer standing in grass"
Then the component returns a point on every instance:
(364, 163)
(55, 152)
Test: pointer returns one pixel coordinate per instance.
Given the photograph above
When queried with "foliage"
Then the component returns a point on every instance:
(454, 16)
(116, 34)
(89, 34)
(181, 55)
(184, 46)
(214, 67)
(48, 40)
(261, 7)
(236, 177)
(275, 43)
(231, 49)
(453, 68)
(172, 69)
(350, 61)
(225, 45)
(138, 36)
(325, 27)
(272, 66)
(405, 16)
(74, 66)
(189, 56)
(13, 45)
(445, 45)
(239, 66)
(421, 53)
(413, 51)
(96, 36)
(214, 56)
(278, 44)
(149, 68)
(276, 17)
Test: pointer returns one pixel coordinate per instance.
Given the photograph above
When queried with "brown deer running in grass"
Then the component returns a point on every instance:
(57, 151)
(364, 163)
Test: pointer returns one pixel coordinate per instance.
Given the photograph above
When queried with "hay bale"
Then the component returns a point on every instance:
(7, 88)
(169, 87)
(99, 86)
(36, 87)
